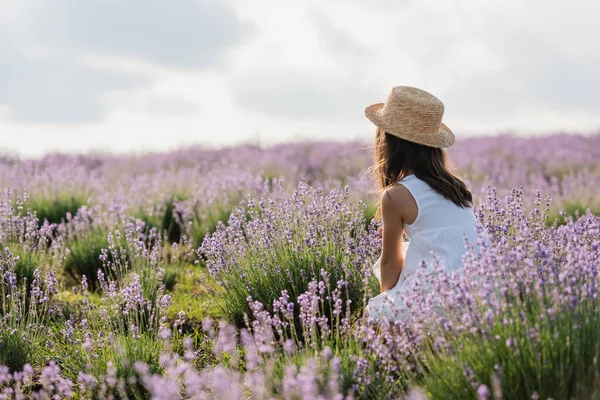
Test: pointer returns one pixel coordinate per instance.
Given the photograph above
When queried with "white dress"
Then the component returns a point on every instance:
(439, 231)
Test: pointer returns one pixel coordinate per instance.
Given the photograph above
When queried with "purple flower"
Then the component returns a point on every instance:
(483, 393)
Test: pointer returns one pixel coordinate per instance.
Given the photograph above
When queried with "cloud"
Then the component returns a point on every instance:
(53, 89)
(549, 80)
(43, 74)
(335, 40)
(376, 4)
(301, 94)
(174, 33)
(539, 71)
(170, 105)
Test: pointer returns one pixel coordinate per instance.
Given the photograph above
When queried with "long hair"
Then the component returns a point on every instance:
(396, 158)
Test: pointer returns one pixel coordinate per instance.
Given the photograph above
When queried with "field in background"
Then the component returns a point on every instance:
(116, 270)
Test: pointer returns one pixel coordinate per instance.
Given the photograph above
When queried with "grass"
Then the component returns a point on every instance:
(54, 210)
(283, 269)
(202, 220)
(16, 349)
(560, 371)
(27, 264)
(569, 211)
(119, 354)
(369, 211)
(193, 295)
(164, 221)
(84, 257)
(208, 222)
(29, 261)
(276, 254)
(71, 303)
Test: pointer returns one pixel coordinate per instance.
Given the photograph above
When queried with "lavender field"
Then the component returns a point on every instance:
(243, 273)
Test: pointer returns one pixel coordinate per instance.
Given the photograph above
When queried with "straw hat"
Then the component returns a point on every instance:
(414, 115)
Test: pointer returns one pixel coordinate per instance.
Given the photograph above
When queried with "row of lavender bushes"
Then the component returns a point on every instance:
(291, 273)
(188, 192)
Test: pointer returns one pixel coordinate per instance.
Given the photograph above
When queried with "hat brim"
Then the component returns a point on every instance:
(442, 138)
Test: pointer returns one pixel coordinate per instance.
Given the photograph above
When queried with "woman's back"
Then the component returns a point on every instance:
(439, 231)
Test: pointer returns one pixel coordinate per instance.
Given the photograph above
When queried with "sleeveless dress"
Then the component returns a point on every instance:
(437, 234)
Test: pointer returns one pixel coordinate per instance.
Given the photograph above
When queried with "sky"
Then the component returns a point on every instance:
(155, 75)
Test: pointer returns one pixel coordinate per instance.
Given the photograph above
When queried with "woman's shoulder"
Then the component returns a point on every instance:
(399, 200)
(396, 194)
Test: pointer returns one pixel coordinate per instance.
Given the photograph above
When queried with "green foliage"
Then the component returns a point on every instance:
(194, 296)
(369, 212)
(560, 365)
(26, 265)
(569, 211)
(84, 257)
(24, 270)
(72, 304)
(108, 330)
(15, 349)
(117, 357)
(285, 270)
(164, 221)
(54, 210)
(127, 351)
(208, 220)
(24, 303)
(171, 276)
(276, 250)
(200, 343)
(533, 345)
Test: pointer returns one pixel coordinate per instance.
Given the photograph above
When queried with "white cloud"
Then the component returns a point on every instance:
(55, 90)
(548, 63)
(170, 105)
(300, 95)
(45, 73)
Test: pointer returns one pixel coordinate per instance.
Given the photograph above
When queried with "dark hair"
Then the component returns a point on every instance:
(395, 158)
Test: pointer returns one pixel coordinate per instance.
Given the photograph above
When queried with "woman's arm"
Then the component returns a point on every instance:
(392, 258)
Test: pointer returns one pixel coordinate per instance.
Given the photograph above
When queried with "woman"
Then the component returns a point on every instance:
(420, 197)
